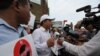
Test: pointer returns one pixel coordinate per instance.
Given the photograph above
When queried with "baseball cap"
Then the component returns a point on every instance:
(44, 17)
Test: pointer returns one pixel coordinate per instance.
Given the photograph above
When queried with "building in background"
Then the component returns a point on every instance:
(58, 24)
(39, 7)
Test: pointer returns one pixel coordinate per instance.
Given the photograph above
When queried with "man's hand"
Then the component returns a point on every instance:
(60, 42)
(50, 42)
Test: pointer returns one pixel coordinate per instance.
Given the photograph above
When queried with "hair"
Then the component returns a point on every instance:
(44, 21)
(23, 2)
(4, 4)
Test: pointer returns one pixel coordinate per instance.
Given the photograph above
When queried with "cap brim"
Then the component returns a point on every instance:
(52, 19)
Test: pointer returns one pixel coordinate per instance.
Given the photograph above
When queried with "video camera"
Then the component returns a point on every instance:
(90, 17)
(67, 29)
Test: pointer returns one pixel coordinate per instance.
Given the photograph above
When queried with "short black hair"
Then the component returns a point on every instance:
(4, 4)
(23, 2)
(44, 21)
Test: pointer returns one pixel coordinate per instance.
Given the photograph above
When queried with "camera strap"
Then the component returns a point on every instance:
(21, 35)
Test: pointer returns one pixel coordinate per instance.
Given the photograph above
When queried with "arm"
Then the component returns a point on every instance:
(91, 48)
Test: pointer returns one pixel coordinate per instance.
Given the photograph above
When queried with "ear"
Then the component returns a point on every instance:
(16, 6)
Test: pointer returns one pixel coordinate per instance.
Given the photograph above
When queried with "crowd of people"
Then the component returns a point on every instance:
(80, 41)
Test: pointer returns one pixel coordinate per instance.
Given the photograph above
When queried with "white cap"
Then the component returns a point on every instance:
(44, 17)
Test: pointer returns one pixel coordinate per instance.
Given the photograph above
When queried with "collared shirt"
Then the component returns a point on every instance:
(9, 33)
(90, 48)
(40, 37)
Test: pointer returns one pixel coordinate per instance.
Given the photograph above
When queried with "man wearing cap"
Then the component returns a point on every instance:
(42, 38)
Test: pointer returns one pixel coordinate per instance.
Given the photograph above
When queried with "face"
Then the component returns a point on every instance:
(48, 23)
(89, 27)
(24, 13)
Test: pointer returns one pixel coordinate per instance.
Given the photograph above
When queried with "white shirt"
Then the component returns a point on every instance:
(40, 37)
(91, 48)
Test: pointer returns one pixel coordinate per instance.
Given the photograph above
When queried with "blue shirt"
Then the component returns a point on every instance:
(9, 33)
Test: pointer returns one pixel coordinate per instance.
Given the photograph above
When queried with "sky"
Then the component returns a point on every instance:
(66, 9)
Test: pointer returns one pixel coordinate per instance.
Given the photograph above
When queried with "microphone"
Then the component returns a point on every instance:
(83, 8)
(56, 35)
(98, 5)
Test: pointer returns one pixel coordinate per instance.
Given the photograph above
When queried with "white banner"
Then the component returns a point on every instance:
(20, 47)
(31, 21)
(58, 24)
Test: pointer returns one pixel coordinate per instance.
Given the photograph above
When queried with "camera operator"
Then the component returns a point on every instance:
(85, 30)
(90, 48)
(82, 32)
(75, 36)
(91, 30)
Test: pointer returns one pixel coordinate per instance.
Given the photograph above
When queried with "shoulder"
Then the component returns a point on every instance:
(3, 28)
(37, 31)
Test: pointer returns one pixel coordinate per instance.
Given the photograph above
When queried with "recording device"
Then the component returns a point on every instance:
(71, 32)
(57, 35)
(90, 17)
